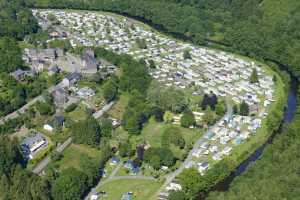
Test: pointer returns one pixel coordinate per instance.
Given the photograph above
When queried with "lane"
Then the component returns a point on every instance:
(170, 177)
(43, 164)
(105, 108)
(24, 108)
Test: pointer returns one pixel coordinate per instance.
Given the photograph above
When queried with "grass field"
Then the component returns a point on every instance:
(119, 108)
(72, 155)
(153, 131)
(142, 189)
(79, 113)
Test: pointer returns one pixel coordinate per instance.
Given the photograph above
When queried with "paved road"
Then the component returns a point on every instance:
(24, 108)
(21, 110)
(41, 166)
(105, 108)
(170, 177)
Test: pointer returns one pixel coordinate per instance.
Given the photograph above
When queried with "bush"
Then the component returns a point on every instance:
(187, 119)
(172, 135)
(56, 156)
(71, 107)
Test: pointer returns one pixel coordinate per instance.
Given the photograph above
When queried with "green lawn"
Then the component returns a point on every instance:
(142, 189)
(79, 113)
(72, 155)
(152, 133)
(119, 108)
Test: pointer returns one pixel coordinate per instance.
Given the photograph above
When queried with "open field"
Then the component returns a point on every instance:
(142, 189)
(71, 156)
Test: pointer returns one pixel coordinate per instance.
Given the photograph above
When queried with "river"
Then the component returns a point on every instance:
(287, 118)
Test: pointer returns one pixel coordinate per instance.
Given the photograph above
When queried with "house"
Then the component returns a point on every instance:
(19, 74)
(54, 34)
(115, 122)
(41, 54)
(85, 92)
(94, 196)
(174, 187)
(129, 164)
(58, 121)
(60, 96)
(209, 135)
(114, 161)
(31, 145)
(89, 62)
(227, 150)
(203, 166)
(71, 79)
(127, 196)
(48, 127)
(54, 70)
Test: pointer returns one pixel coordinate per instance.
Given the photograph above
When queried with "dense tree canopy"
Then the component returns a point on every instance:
(110, 89)
(136, 113)
(187, 119)
(10, 55)
(16, 182)
(10, 155)
(162, 156)
(70, 185)
(172, 135)
(170, 99)
(15, 20)
(87, 131)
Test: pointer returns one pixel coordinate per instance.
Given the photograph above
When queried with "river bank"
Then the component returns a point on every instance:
(287, 118)
(270, 124)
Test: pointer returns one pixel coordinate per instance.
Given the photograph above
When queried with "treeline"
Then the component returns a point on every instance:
(15, 20)
(195, 186)
(69, 184)
(275, 175)
(15, 181)
(17, 94)
(74, 183)
(266, 30)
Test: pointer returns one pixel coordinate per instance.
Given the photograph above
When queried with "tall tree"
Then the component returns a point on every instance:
(254, 76)
(87, 132)
(187, 119)
(70, 185)
(244, 109)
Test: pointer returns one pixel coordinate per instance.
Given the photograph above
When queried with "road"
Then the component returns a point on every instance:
(24, 108)
(42, 164)
(105, 108)
(112, 177)
(170, 177)
(21, 110)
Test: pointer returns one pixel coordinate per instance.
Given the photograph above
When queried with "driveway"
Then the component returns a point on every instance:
(42, 164)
